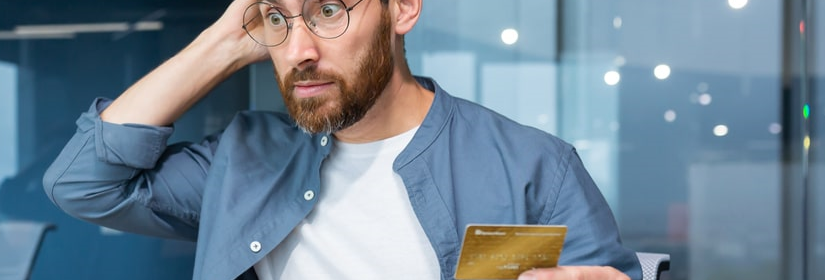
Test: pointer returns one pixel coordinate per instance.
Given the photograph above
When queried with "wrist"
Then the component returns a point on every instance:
(229, 51)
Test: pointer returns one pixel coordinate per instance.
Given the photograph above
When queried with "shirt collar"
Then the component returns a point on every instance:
(435, 121)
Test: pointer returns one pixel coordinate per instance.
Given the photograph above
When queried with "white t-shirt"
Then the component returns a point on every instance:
(363, 226)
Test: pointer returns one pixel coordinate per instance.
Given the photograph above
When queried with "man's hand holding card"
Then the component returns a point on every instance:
(524, 252)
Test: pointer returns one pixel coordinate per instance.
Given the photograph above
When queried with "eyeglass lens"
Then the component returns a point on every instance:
(269, 25)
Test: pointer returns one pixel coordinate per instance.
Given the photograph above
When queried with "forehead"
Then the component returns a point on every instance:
(288, 6)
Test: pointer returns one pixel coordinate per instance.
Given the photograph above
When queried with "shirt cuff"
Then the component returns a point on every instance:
(134, 145)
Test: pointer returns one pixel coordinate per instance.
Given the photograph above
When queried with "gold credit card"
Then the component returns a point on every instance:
(505, 251)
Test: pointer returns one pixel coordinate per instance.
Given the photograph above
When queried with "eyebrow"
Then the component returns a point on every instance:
(273, 2)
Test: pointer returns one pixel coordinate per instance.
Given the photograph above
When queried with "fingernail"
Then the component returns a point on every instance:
(527, 275)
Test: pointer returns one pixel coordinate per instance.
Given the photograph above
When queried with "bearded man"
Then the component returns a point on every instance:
(373, 174)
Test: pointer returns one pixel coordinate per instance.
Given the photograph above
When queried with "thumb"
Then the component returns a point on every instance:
(527, 275)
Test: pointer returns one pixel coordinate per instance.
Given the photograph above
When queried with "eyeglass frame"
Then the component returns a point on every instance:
(290, 21)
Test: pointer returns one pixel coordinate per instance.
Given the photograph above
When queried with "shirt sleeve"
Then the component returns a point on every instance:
(592, 234)
(126, 178)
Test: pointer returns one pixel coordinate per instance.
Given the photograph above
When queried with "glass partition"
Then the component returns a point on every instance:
(816, 32)
(55, 58)
(674, 106)
(689, 91)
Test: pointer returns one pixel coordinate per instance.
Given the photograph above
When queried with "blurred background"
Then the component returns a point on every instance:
(700, 120)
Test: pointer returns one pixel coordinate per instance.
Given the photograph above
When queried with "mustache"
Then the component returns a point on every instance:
(309, 73)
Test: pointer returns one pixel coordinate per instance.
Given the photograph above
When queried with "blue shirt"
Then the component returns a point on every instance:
(240, 192)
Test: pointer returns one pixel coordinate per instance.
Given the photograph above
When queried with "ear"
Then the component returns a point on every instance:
(406, 14)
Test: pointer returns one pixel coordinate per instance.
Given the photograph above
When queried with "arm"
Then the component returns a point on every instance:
(117, 171)
(124, 177)
(593, 244)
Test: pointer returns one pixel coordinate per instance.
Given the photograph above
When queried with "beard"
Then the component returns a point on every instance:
(334, 111)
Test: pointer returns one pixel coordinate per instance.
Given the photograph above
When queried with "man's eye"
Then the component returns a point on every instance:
(330, 10)
(276, 19)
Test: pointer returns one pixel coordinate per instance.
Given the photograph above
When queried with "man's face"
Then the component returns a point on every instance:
(329, 100)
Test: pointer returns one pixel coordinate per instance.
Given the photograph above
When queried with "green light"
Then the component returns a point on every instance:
(806, 111)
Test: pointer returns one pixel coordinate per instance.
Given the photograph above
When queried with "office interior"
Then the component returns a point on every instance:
(700, 120)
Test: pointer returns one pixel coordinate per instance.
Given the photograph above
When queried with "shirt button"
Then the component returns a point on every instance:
(255, 246)
(309, 195)
(324, 141)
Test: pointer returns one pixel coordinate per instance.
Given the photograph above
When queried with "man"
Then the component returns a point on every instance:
(373, 174)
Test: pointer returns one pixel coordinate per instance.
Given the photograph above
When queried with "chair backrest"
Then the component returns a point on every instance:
(653, 264)
(19, 244)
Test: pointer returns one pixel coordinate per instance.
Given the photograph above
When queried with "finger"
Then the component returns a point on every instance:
(574, 273)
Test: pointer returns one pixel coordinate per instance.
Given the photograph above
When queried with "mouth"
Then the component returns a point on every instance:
(306, 89)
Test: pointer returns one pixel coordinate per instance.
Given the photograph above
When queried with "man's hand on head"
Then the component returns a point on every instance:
(574, 273)
(228, 29)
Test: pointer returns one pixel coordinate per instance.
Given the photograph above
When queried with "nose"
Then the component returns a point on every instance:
(301, 46)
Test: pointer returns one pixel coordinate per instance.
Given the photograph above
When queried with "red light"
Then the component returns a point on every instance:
(801, 27)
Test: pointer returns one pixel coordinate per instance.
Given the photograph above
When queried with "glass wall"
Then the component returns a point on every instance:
(694, 88)
(816, 251)
(687, 113)
(55, 58)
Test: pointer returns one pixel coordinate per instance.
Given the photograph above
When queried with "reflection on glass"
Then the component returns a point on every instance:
(662, 71)
(619, 61)
(8, 120)
(509, 36)
(775, 128)
(612, 78)
(670, 116)
(806, 111)
(737, 4)
(705, 99)
(806, 142)
(102, 27)
(720, 130)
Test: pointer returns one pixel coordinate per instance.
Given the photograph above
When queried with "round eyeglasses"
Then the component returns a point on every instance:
(267, 25)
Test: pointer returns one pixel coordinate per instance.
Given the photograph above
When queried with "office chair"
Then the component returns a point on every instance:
(653, 264)
(19, 244)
